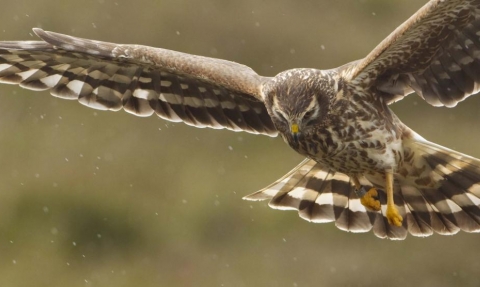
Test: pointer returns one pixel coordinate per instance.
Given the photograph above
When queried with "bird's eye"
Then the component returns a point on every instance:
(308, 114)
(281, 116)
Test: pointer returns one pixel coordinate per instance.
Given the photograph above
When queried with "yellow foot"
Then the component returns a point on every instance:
(369, 201)
(394, 218)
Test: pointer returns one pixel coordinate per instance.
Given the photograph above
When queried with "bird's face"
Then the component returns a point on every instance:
(296, 120)
(298, 102)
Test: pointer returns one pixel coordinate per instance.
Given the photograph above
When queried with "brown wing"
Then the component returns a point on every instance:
(435, 53)
(200, 91)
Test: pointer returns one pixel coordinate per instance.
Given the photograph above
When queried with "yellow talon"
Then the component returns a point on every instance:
(369, 201)
(394, 218)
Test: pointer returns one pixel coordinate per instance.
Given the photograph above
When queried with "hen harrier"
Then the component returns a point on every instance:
(364, 170)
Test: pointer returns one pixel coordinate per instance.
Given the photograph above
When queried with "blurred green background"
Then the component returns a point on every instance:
(90, 198)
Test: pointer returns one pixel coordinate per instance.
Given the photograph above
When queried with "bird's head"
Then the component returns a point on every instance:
(298, 100)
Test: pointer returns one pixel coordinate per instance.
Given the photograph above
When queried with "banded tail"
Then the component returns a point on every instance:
(322, 196)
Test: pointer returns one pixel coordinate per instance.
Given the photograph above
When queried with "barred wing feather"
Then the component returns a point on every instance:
(200, 91)
(435, 53)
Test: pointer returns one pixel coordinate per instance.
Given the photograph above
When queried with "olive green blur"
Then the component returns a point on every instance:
(92, 198)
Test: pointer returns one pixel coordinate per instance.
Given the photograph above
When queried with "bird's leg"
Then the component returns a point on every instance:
(367, 198)
(393, 216)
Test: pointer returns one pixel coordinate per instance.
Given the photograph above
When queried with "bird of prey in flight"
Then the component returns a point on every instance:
(364, 169)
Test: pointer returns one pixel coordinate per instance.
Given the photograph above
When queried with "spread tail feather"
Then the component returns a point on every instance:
(321, 196)
(454, 203)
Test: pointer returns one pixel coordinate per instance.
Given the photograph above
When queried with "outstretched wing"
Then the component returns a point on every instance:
(435, 53)
(179, 87)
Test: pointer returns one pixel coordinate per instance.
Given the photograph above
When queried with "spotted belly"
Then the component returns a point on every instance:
(373, 153)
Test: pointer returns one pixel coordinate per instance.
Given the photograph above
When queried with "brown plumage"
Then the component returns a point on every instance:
(339, 119)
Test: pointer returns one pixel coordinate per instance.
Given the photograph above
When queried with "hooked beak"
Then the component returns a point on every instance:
(294, 130)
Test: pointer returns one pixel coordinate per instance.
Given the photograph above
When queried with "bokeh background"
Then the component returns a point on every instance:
(90, 198)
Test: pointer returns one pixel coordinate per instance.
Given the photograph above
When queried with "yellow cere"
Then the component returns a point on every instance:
(295, 128)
